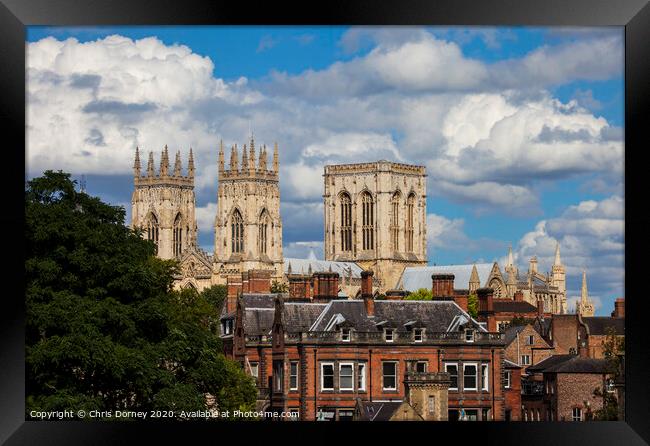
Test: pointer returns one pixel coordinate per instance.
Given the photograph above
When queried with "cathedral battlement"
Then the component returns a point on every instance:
(163, 178)
(376, 166)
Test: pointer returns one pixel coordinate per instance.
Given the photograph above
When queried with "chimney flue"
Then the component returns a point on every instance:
(619, 308)
(486, 308)
(366, 292)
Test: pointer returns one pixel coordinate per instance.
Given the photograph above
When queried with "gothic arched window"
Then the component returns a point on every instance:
(263, 226)
(368, 221)
(178, 235)
(346, 222)
(495, 284)
(394, 221)
(237, 231)
(410, 218)
(152, 229)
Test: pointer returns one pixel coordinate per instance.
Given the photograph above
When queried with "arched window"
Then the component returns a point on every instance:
(237, 231)
(262, 237)
(152, 229)
(346, 222)
(410, 218)
(368, 221)
(495, 284)
(178, 235)
(394, 221)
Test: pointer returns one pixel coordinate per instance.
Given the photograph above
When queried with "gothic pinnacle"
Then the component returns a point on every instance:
(164, 162)
(234, 162)
(558, 261)
(150, 165)
(221, 157)
(177, 164)
(276, 161)
(136, 163)
(190, 165)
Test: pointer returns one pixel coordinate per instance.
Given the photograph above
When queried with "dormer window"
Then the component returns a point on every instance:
(469, 335)
(388, 334)
(417, 334)
(345, 334)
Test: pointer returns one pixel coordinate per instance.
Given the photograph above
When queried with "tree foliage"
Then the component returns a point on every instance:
(420, 294)
(104, 330)
(613, 348)
(472, 305)
(279, 287)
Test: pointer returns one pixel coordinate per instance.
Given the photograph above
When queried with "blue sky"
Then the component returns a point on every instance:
(520, 128)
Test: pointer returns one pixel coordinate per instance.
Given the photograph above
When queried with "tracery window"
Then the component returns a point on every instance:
(346, 222)
(394, 221)
(237, 232)
(410, 217)
(178, 235)
(152, 229)
(368, 221)
(262, 237)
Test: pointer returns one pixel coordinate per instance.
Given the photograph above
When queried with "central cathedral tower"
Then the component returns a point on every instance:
(248, 227)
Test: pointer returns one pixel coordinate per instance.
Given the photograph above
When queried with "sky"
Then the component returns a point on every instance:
(520, 128)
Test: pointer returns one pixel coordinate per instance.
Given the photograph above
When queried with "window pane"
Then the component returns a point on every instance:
(469, 376)
(361, 378)
(346, 377)
(390, 375)
(327, 376)
(452, 369)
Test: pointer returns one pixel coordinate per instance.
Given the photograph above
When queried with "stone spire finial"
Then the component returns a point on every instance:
(244, 159)
(289, 268)
(510, 257)
(252, 153)
(262, 158)
(136, 163)
(150, 165)
(234, 162)
(558, 261)
(221, 156)
(190, 165)
(276, 161)
(584, 295)
(164, 163)
(177, 164)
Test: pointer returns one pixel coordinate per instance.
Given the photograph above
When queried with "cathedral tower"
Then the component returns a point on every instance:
(163, 204)
(375, 215)
(248, 227)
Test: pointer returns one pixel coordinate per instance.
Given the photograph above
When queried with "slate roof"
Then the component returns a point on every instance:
(416, 277)
(434, 316)
(598, 324)
(378, 411)
(300, 316)
(301, 266)
(512, 306)
(543, 326)
(548, 362)
(258, 321)
(511, 333)
(511, 365)
(580, 365)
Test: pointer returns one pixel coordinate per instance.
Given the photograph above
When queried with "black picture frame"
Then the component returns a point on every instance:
(15, 15)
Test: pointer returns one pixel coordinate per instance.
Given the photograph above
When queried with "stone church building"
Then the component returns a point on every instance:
(374, 219)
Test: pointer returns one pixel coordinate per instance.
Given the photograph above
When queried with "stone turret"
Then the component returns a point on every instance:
(474, 281)
(558, 277)
(177, 164)
(136, 163)
(221, 157)
(585, 306)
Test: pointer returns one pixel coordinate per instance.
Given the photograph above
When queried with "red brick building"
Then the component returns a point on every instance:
(318, 356)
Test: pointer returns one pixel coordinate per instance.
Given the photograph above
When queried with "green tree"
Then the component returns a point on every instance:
(420, 294)
(279, 287)
(215, 296)
(613, 348)
(104, 330)
(472, 305)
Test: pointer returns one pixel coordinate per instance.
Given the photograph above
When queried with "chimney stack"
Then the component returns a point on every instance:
(366, 292)
(442, 285)
(326, 285)
(234, 285)
(619, 308)
(486, 308)
(519, 296)
(540, 308)
(583, 349)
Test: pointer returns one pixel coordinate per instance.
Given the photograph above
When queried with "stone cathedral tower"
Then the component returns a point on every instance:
(375, 215)
(248, 227)
(163, 204)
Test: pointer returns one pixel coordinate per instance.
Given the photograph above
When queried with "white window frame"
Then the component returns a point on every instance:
(351, 364)
(485, 379)
(392, 334)
(418, 332)
(527, 362)
(396, 364)
(530, 339)
(322, 376)
(345, 335)
(431, 404)
(455, 364)
(291, 363)
(476, 378)
(361, 376)
(426, 366)
(573, 414)
(278, 376)
(508, 382)
(255, 367)
(468, 331)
